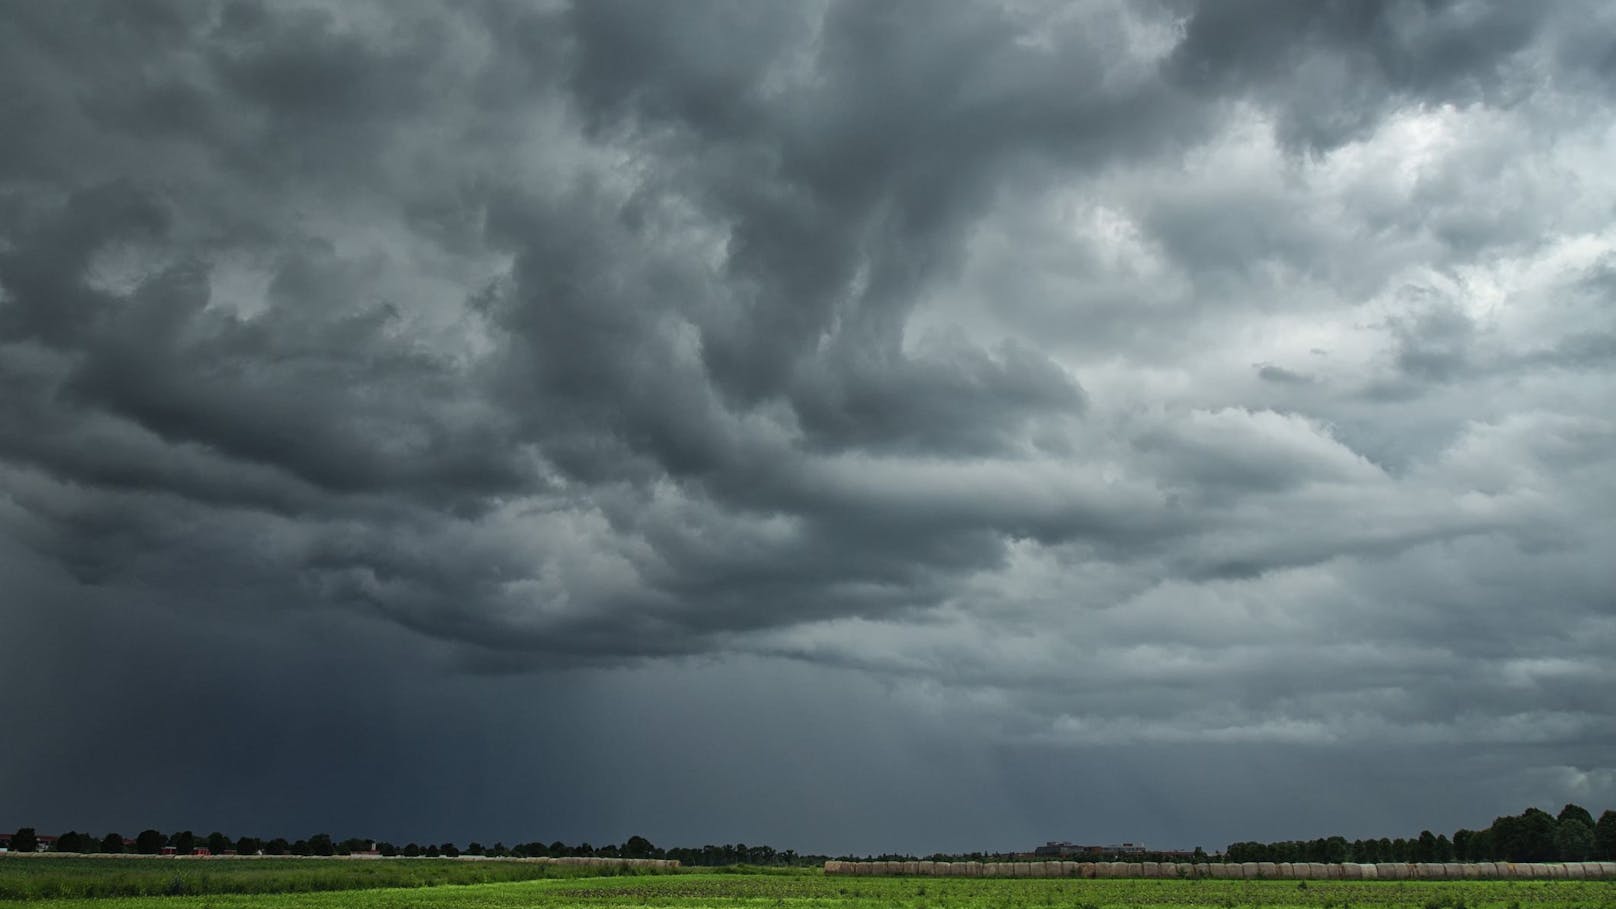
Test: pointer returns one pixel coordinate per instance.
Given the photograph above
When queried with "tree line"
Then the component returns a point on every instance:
(185, 842)
(1533, 835)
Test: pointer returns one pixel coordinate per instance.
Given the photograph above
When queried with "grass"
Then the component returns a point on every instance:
(51, 877)
(808, 889)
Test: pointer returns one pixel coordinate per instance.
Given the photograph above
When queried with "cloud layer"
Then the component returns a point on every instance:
(1122, 379)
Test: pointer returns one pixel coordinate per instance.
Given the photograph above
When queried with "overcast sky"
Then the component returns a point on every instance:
(846, 426)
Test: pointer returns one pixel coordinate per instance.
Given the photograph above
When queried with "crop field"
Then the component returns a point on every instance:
(52, 877)
(447, 885)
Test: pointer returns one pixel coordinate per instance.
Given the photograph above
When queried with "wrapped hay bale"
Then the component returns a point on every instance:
(1086, 869)
(1574, 871)
(1468, 871)
(1071, 869)
(1301, 871)
(1285, 870)
(1370, 872)
(1430, 871)
(1134, 869)
(1150, 869)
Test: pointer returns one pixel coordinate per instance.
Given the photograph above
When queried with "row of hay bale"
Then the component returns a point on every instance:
(1282, 871)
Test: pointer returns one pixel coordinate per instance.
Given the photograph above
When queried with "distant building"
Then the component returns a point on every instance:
(1061, 849)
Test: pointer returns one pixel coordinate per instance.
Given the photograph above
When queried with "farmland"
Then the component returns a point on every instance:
(448, 885)
(53, 877)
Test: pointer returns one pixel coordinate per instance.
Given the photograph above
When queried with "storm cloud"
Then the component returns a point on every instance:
(901, 399)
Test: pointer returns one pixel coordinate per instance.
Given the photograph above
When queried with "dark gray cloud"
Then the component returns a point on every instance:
(891, 399)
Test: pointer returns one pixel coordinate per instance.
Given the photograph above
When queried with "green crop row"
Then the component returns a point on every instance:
(811, 890)
(41, 877)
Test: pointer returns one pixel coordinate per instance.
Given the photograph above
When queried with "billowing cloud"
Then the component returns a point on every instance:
(1107, 381)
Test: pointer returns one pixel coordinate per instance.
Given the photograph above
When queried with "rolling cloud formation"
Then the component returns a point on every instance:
(1173, 381)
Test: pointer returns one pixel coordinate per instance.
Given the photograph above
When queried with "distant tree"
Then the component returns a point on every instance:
(149, 842)
(432, 851)
(449, 850)
(412, 850)
(1444, 849)
(558, 849)
(1482, 848)
(1573, 840)
(249, 845)
(1605, 837)
(387, 849)
(218, 843)
(183, 842)
(1577, 812)
(24, 840)
(277, 846)
(112, 843)
(320, 844)
(1425, 847)
(639, 847)
(300, 847)
(71, 841)
(353, 844)
(474, 848)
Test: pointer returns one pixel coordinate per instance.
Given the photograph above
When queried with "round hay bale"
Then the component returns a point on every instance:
(1086, 869)
(1070, 869)
(1370, 872)
(1575, 872)
(1335, 871)
(1468, 871)
(974, 869)
(1202, 869)
(1487, 870)
(1150, 869)
(1430, 871)
(1285, 870)
(1135, 869)
(1384, 872)
(1040, 869)
(1352, 871)
(1301, 871)
(1267, 870)
(1607, 869)
(1557, 870)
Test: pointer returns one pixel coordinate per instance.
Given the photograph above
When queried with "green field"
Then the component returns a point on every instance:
(52, 877)
(806, 889)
